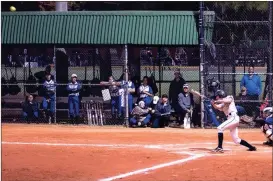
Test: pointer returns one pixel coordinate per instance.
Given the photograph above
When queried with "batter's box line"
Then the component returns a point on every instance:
(167, 147)
(170, 147)
(145, 170)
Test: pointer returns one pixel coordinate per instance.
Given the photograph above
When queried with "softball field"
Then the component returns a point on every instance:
(81, 153)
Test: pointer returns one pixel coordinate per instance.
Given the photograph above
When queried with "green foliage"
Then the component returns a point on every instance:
(50, 5)
(247, 5)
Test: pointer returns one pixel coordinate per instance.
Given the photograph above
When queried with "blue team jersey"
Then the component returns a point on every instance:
(130, 85)
(269, 120)
(73, 89)
(50, 87)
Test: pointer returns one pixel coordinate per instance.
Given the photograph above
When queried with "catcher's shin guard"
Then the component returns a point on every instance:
(269, 134)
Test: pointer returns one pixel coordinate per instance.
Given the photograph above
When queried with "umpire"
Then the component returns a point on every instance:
(73, 89)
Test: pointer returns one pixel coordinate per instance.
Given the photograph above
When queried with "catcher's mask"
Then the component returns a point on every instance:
(268, 111)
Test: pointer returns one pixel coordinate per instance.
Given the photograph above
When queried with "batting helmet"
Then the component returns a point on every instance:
(220, 93)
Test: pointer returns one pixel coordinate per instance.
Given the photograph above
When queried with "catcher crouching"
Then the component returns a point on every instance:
(267, 126)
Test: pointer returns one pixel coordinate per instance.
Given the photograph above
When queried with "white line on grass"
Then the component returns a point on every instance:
(153, 168)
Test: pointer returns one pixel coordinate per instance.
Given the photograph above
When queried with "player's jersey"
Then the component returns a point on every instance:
(229, 107)
(74, 89)
(122, 91)
(144, 88)
(50, 87)
(269, 120)
(114, 90)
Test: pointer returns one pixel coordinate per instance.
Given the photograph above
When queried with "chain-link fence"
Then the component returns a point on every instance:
(236, 38)
(240, 44)
(92, 64)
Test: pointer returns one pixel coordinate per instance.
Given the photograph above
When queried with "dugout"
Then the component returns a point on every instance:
(98, 38)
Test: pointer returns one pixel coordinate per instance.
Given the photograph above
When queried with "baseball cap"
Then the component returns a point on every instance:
(74, 75)
(185, 85)
(155, 99)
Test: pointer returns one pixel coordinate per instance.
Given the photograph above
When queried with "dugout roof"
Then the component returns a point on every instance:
(104, 27)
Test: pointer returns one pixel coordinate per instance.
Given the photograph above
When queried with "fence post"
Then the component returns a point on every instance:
(270, 52)
(202, 62)
(60, 6)
(126, 87)
(55, 106)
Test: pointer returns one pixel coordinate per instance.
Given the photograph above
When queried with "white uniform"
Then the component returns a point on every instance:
(233, 119)
(122, 99)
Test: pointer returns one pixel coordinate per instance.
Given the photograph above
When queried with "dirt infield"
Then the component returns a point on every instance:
(70, 153)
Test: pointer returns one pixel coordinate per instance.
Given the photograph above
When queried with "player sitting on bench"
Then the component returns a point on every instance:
(30, 109)
(162, 113)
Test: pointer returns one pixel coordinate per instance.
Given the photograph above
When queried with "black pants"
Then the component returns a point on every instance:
(252, 106)
(196, 117)
(160, 121)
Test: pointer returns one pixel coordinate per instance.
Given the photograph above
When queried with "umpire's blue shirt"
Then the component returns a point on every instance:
(253, 84)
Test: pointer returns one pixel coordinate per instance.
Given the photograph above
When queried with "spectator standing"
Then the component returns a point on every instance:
(41, 79)
(175, 89)
(49, 97)
(115, 96)
(73, 89)
(131, 91)
(253, 85)
(30, 109)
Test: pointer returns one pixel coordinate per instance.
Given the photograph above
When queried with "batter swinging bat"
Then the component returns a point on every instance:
(197, 93)
(200, 95)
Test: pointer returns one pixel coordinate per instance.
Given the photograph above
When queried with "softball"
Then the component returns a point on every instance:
(12, 8)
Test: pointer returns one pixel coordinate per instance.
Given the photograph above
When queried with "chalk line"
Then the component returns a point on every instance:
(155, 146)
(153, 168)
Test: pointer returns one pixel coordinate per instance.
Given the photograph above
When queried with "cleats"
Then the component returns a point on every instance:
(218, 150)
(268, 143)
(252, 149)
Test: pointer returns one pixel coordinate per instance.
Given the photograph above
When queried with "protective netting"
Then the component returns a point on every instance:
(91, 65)
(240, 40)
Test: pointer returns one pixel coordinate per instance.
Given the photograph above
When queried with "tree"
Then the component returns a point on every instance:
(261, 6)
(72, 6)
